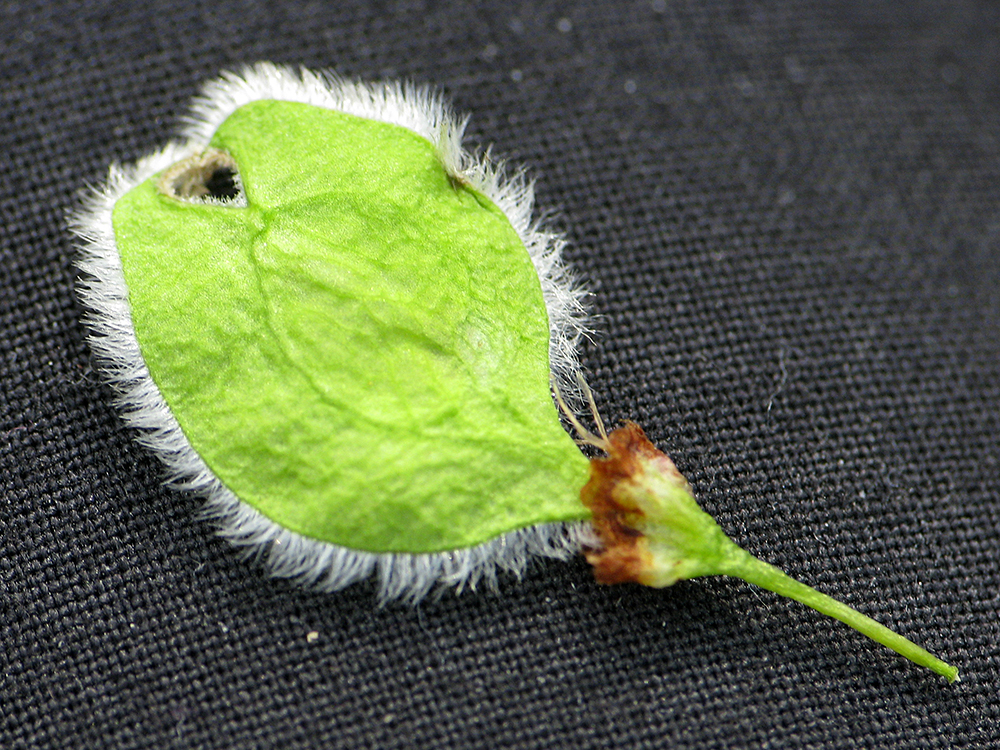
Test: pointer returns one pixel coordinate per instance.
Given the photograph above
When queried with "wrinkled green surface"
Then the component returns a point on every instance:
(362, 353)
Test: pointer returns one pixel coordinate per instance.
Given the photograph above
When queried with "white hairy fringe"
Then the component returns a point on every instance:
(103, 291)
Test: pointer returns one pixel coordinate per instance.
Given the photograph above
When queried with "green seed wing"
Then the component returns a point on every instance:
(361, 352)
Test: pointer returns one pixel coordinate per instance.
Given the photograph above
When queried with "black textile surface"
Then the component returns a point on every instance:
(789, 215)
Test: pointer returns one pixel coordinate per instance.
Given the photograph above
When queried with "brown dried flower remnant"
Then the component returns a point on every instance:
(650, 527)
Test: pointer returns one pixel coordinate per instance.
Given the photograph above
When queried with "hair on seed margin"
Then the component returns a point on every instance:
(103, 291)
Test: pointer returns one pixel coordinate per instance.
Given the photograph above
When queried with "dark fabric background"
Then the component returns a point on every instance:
(789, 215)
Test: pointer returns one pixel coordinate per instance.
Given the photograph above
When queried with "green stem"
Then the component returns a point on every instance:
(760, 573)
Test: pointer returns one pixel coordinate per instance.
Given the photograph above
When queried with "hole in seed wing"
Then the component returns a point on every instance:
(210, 176)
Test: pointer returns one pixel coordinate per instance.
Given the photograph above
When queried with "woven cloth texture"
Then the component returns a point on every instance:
(789, 216)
